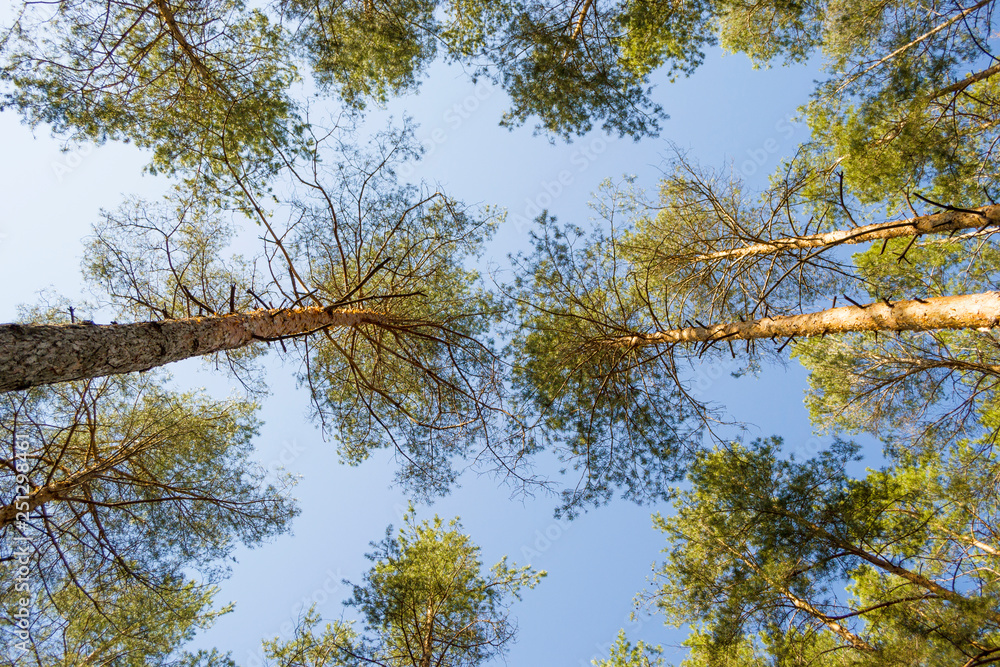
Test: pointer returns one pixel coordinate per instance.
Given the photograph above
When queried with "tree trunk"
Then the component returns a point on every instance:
(167, 14)
(959, 86)
(43, 494)
(578, 30)
(38, 354)
(938, 223)
(967, 311)
(427, 639)
(930, 33)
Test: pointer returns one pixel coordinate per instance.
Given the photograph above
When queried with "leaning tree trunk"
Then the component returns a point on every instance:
(38, 354)
(936, 223)
(27, 503)
(967, 311)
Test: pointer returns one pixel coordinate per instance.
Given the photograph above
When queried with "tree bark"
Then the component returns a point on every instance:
(959, 86)
(967, 311)
(43, 494)
(427, 639)
(829, 622)
(938, 28)
(937, 223)
(578, 30)
(39, 354)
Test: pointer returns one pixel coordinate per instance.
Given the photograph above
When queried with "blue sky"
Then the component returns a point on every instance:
(726, 114)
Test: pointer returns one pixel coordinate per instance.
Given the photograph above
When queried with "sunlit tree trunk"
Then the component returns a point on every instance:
(937, 223)
(27, 503)
(426, 641)
(967, 311)
(38, 354)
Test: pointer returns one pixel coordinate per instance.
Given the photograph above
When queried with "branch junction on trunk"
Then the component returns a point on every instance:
(39, 354)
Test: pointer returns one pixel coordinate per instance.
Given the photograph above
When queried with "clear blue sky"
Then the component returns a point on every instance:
(725, 113)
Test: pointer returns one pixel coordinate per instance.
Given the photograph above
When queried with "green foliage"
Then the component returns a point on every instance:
(367, 49)
(760, 547)
(661, 33)
(655, 34)
(426, 601)
(137, 497)
(334, 646)
(895, 124)
(926, 389)
(675, 245)
(172, 259)
(570, 65)
(157, 486)
(172, 471)
(789, 29)
(566, 71)
(920, 391)
(624, 654)
(570, 80)
(422, 379)
(120, 624)
(201, 84)
(774, 561)
(166, 260)
(428, 385)
(612, 412)
(470, 27)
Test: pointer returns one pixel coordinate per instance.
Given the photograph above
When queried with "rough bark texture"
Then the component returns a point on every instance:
(38, 354)
(938, 223)
(968, 311)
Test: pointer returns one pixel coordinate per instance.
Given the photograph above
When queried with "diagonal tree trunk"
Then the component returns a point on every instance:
(55, 491)
(883, 563)
(38, 354)
(831, 623)
(167, 15)
(930, 33)
(578, 29)
(959, 86)
(967, 311)
(937, 223)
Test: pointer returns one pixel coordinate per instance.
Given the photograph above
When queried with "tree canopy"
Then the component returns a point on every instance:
(425, 601)
(134, 494)
(202, 85)
(800, 561)
(128, 500)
